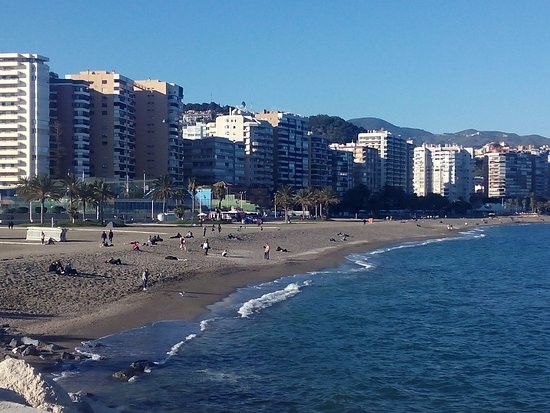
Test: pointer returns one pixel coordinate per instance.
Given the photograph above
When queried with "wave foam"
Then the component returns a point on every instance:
(267, 300)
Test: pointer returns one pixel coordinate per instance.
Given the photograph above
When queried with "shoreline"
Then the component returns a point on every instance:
(206, 280)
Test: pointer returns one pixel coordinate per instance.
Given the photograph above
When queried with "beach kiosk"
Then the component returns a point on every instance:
(57, 234)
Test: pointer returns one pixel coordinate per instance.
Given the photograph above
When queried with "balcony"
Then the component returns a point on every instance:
(9, 134)
(9, 152)
(9, 144)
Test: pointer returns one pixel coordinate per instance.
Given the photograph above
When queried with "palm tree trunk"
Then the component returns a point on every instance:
(41, 211)
(30, 211)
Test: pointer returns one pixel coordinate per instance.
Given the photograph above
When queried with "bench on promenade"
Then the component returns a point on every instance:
(57, 234)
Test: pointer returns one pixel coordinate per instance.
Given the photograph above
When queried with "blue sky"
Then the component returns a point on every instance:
(440, 65)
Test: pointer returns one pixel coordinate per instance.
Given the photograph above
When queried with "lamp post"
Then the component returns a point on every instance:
(242, 193)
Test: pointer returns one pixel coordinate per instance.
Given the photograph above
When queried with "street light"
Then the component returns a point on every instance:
(242, 193)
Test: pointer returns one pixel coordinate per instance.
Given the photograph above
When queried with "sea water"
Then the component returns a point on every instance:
(450, 325)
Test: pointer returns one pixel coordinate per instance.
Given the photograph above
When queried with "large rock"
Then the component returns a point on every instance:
(37, 391)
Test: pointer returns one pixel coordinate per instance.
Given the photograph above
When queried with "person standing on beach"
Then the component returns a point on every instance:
(103, 238)
(183, 246)
(111, 236)
(204, 232)
(145, 279)
(266, 251)
(206, 247)
(219, 228)
(42, 237)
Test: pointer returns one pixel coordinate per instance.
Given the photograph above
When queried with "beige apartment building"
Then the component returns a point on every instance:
(24, 117)
(159, 143)
(112, 124)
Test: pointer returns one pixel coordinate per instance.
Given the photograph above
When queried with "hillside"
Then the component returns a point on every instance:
(469, 137)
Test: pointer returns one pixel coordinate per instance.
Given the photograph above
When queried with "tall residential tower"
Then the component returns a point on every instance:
(24, 117)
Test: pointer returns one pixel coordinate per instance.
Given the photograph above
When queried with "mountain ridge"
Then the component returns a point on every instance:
(467, 137)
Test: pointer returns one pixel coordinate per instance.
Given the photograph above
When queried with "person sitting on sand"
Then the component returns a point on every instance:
(152, 241)
(224, 253)
(55, 266)
(189, 235)
(135, 246)
(113, 261)
(50, 241)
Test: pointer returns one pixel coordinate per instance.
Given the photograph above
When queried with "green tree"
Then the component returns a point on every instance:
(85, 197)
(192, 188)
(178, 210)
(101, 192)
(220, 189)
(304, 197)
(43, 187)
(23, 188)
(284, 197)
(327, 197)
(162, 190)
(72, 185)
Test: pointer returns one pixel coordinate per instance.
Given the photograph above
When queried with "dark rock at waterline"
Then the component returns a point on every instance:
(31, 350)
(124, 375)
(136, 368)
(142, 365)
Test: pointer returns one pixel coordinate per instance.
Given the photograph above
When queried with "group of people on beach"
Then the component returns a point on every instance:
(104, 238)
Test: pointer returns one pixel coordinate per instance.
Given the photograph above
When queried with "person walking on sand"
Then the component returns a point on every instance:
(266, 251)
(183, 245)
(145, 279)
(111, 236)
(103, 238)
(219, 228)
(206, 247)
(204, 232)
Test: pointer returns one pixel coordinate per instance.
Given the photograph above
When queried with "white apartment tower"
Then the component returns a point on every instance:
(24, 117)
(257, 136)
(395, 158)
(444, 170)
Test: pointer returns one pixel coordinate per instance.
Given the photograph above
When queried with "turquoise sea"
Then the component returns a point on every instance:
(454, 325)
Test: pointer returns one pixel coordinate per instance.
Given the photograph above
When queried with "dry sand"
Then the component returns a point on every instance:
(106, 298)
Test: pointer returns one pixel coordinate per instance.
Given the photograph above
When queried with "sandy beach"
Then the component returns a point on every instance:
(105, 298)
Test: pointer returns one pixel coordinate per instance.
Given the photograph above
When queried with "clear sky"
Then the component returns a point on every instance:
(440, 65)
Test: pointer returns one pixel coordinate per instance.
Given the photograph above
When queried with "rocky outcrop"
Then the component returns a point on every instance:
(18, 377)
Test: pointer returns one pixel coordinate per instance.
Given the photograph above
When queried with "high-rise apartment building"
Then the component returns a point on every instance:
(24, 117)
(214, 159)
(396, 158)
(69, 127)
(508, 174)
(290, 148)
(342, 171)
(444, 170)
(366, 164)
(112, 124)
(257, 136)
(320, 162)
(159, 143)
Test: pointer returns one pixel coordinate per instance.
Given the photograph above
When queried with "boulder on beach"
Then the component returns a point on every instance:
(39, 392)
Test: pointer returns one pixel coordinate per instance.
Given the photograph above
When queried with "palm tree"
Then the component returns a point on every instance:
(23, 189)
(327, 197)
(284, 197)
(192, 188)
(220, 189)
(162, 190)
(101, 192)
(43, 187)
(304, 197)
(85, 196)
(179, 196)
(72, 185)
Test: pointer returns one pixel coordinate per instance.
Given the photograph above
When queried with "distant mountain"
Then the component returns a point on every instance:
(468, 138)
